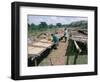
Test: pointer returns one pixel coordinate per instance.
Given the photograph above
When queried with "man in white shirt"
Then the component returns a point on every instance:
(66, 34)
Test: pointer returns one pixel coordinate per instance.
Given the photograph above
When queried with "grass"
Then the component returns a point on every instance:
(82, 59)
(72, 52)
(36, 32)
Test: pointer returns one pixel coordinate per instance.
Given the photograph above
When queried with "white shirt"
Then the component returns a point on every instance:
(66, 33)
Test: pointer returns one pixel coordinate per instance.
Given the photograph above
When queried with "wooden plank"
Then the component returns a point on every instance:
(77, 36)
(77, 47)
(35, 51)
(83, 40)
(79, 51)
(41, 44)
(45, 41)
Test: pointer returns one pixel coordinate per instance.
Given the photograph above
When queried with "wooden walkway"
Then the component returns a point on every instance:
(57, 56)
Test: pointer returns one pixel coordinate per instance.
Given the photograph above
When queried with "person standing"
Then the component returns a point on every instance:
(66, 34)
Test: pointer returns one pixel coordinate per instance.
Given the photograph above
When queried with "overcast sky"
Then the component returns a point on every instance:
(54, 19)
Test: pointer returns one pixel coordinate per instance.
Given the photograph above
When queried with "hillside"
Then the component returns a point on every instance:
(81, 24)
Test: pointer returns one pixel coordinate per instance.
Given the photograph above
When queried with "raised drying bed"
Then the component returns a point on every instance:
(37, 51)
(41, 44)
(76, 49)
(81, 55)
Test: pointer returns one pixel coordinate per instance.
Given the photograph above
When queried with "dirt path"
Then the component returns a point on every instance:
(57, 56)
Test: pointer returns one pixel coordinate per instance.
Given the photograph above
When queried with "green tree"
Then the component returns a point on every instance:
(81, 24)
(43, 25)
(32, 25)
(51, 26)
(58, 24)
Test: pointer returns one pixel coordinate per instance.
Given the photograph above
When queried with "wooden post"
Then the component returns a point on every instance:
(35, 62)
(51, 62)
(79, 50)
(75, 58)
(67, 59)
(67, 62)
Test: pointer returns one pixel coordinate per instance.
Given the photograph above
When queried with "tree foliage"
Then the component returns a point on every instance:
(44, 26)
(81, 24)
(58, 24)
